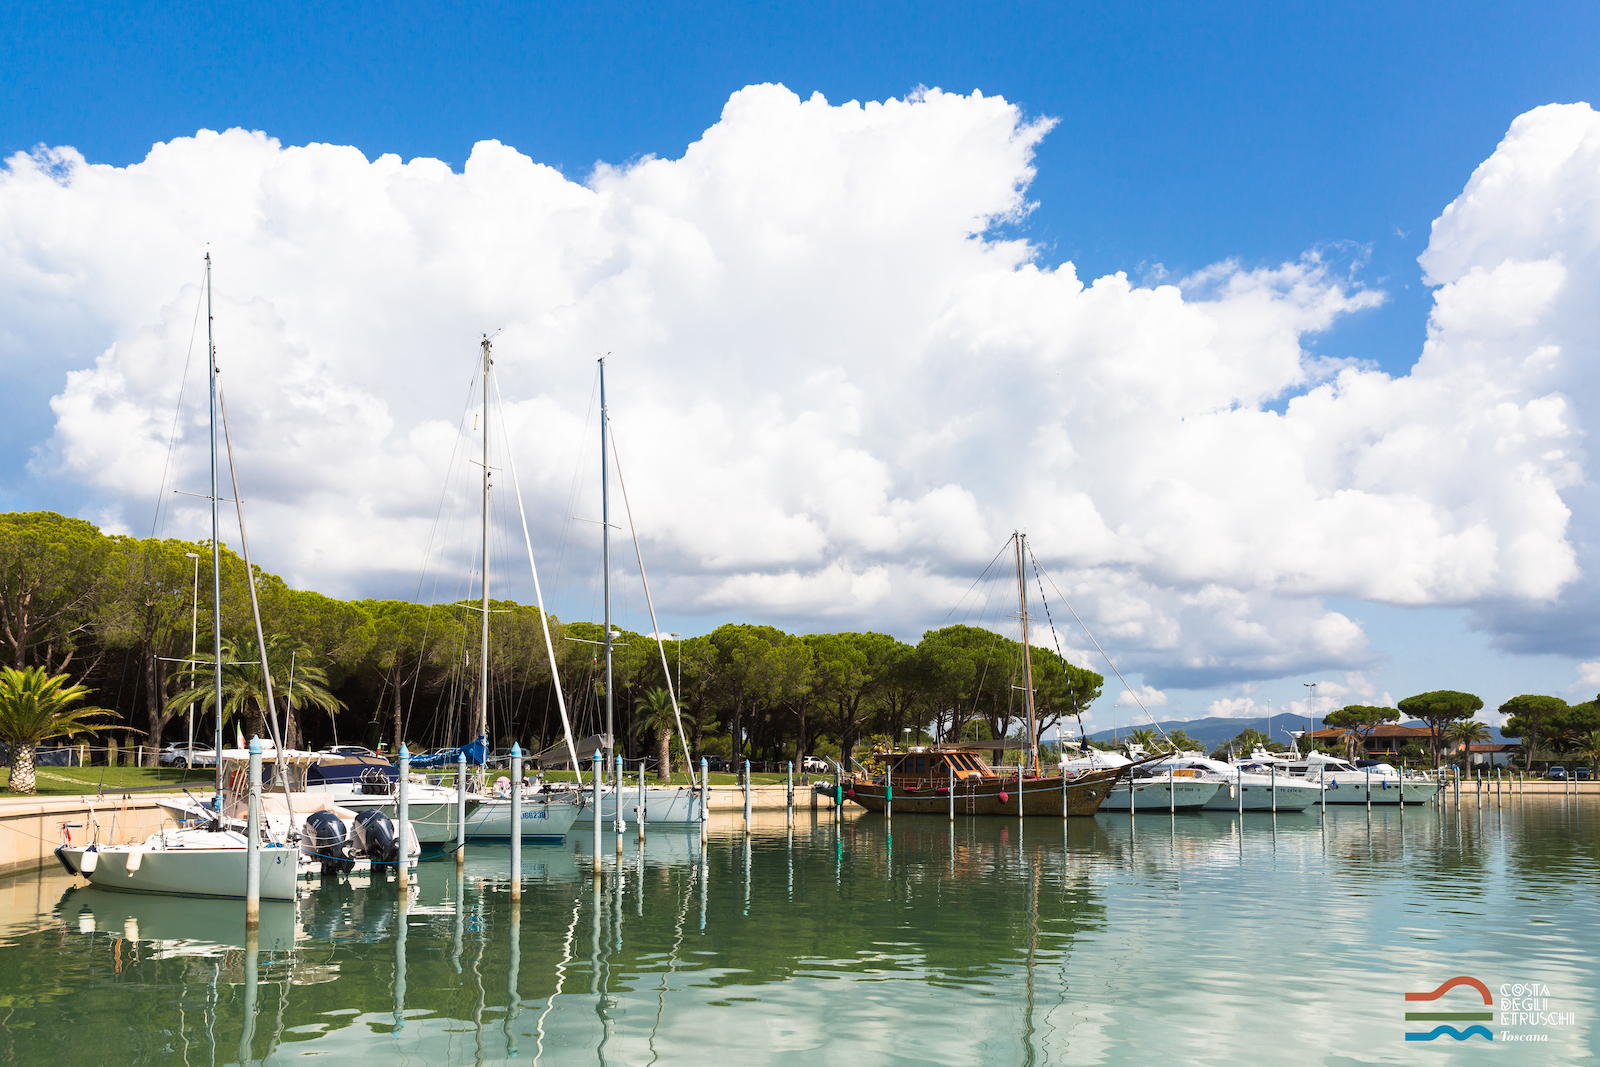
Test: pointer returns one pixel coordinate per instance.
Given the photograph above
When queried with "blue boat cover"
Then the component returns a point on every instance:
(447, 758)
(345, 770)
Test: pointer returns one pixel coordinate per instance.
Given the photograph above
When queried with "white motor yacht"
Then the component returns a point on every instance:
(1148, 789)
(1275, 790)
(1345, 783)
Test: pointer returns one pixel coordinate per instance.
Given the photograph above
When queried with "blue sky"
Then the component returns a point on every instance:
(1188, 134)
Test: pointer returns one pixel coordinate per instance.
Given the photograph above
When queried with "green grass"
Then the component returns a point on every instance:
(73, 781)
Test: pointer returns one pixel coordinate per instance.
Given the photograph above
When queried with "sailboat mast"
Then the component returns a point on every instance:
(605, 554)
(216, 546)
(1027, 656)
(483, 652)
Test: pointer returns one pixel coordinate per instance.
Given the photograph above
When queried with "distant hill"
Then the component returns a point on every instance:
(1214, 732)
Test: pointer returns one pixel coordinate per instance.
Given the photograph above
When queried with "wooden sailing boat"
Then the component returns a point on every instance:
(922, 780)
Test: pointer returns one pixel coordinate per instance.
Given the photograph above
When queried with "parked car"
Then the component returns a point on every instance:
(717, 764)
(815, 765)
(1581, 773)
(182, 756)
(1556, 773)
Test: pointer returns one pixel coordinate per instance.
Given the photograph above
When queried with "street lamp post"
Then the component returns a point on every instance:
(194, 644)
(1311, 702)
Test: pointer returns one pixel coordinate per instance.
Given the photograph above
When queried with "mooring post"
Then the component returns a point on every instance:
(746, 796)
(1274, 769)
(1020, 812)
(403, 822)
(461, 809)
(516, 822)
(791, 794)
(252, 856)
(620, 824)
(1238, 783)
(952, 790)
(888, 795)
(596, 791)
(1172, 792)
(1369, 790)
(639, 812)
(705, 798)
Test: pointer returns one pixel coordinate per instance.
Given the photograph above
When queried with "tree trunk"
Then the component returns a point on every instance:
(398, 740)
(664, 753)
(22, 776)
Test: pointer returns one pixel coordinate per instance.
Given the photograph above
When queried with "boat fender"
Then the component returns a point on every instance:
(90, 860)
(942, 790)
(851, 793)
(374, 834)
(910, 789)
(1005, 798)
(135, 858)
(61, 854)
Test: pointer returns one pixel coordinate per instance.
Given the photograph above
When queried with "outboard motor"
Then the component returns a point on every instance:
(374, 836)
(324, 838)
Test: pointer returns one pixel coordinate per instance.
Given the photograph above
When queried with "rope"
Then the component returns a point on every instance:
(655, 627)
(544, 617)
(1102, 651)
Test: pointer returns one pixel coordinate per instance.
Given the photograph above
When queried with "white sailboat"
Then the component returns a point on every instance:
(620, 804)
(545, 815)
(207, 860)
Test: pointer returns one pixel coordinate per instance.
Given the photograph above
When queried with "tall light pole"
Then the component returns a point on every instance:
(1311, 701)
(194, 644)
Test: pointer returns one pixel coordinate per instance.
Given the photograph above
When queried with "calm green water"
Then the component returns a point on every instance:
(1172, 940)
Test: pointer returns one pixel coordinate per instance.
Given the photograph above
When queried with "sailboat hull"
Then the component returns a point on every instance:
(662, 807)
(543, 819)
(186, 872)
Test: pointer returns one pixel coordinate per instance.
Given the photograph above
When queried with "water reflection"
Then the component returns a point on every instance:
(1092, 940)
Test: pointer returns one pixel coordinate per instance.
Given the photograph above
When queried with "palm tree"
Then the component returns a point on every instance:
(1588, 745)
(243, 692)
(1467, 734)
(1149, 740)
(36, 706)
(654, 712)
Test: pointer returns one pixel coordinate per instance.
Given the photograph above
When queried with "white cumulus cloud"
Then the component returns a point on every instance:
(837, 387)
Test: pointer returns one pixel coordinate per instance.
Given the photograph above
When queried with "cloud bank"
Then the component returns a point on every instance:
(838, 385)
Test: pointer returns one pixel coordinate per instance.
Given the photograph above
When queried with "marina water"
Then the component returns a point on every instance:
(1199, 938)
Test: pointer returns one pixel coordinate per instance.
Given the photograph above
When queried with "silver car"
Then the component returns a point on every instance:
(182, 756)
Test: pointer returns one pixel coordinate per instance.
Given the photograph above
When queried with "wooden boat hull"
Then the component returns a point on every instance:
(993, 796)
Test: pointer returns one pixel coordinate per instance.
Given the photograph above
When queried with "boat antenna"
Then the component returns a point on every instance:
(216, 544)
(1027, 659)
(483, 655)
(538, 593)
(605, 564)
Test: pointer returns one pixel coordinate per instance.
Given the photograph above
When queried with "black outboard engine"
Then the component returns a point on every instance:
(374, 836)
(325, 839)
